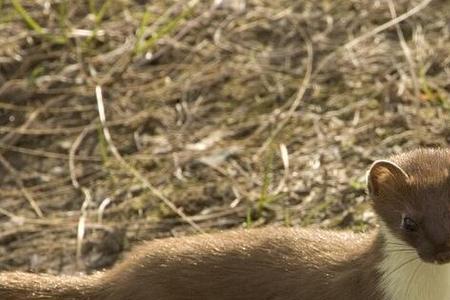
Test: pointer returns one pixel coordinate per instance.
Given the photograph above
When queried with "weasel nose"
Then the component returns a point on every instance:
(443, 257)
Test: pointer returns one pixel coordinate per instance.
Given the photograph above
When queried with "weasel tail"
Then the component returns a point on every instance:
(27, 286)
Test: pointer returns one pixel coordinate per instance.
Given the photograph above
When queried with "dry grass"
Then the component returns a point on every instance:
(209, 117)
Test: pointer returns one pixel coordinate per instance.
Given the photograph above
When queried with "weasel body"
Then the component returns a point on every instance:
(408, 257)
(266, 263)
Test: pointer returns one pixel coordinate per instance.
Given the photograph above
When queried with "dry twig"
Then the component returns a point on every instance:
(115, 152)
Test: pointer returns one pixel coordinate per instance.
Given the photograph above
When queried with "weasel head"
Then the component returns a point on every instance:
(411, 195)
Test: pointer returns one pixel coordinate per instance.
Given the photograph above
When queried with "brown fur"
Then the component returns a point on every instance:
(268, 263)
(418, 185)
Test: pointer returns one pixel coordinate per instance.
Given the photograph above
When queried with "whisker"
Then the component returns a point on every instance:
(402, 265)
(397, 244)
(411, 279)
(400, 250)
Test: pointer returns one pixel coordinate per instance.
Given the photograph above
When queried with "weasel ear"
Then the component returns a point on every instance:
(384, 173)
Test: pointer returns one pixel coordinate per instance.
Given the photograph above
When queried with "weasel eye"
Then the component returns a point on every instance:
(409, 224)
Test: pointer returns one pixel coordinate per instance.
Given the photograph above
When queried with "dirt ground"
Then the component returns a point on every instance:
(122, 121)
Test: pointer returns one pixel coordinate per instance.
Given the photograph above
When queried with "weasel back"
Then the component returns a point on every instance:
(268, 263)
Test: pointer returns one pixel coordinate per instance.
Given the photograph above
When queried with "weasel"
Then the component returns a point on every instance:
(407, 257)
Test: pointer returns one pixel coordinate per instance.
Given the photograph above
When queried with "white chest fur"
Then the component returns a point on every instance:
(406, 277)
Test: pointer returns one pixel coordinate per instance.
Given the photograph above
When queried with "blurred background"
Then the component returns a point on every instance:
(123, 121)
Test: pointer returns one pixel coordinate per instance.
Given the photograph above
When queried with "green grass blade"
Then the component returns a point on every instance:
(31, 23)
(165, 30)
